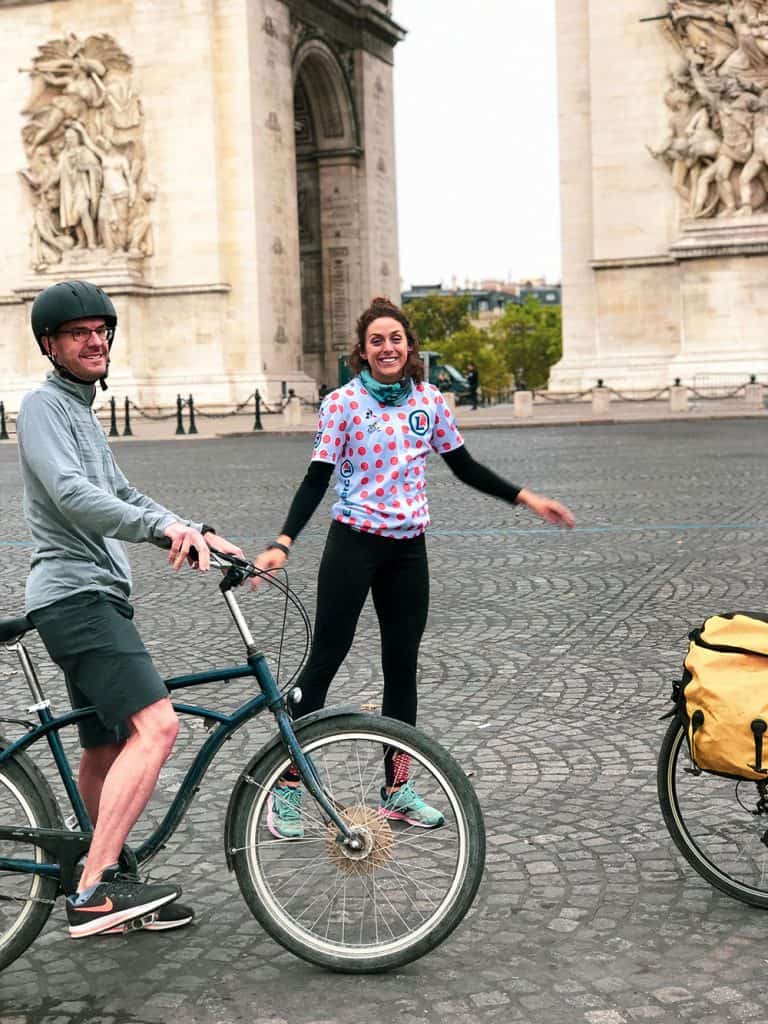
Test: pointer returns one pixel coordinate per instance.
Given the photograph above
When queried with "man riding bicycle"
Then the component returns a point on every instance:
(80, 508)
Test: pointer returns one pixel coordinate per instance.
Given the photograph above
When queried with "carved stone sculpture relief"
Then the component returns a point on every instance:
(716, 144)
(83, 137)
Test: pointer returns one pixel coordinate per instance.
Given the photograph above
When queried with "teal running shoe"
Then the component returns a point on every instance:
(284, 813)
(405, 804)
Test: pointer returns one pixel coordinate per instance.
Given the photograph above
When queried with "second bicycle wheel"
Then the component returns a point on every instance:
(25, 900)
(404, 893)
(720, 825)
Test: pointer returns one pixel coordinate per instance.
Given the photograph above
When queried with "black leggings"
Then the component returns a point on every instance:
(396, 573)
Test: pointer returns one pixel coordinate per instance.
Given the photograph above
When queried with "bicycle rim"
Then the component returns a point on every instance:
(716, 823)
(394, 898)
(23, 898)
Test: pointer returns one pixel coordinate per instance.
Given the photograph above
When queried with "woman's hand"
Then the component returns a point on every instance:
(548, 509)
(271, 559)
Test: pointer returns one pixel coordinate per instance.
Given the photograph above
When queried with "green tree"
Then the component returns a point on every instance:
(529, 338)
(475, 345)
(435, 317)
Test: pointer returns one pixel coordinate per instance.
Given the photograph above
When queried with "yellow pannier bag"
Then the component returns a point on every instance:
(724, 695)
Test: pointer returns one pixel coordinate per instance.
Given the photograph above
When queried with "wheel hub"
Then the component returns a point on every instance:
(372, 833)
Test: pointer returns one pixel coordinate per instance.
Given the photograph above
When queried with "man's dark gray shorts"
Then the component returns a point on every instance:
(92, 638)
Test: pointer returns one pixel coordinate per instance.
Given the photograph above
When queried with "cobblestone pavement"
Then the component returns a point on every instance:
(545, 667)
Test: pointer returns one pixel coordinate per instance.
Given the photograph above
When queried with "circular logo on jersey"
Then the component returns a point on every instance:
(419, 421)
(318, 439)
(346, 469)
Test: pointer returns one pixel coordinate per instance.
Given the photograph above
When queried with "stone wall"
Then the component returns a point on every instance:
(215, 307)
(652, 289)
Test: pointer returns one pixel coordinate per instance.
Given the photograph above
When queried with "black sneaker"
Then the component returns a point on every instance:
(172, 915)
(115, 900)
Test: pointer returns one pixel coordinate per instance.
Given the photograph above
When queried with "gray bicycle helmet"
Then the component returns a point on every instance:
(70, 300)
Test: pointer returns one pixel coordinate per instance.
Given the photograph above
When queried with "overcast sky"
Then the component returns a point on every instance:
(476, 138)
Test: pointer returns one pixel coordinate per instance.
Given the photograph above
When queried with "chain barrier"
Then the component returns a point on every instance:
(232, 412)
(561, 397)
(715, 393)
(661, 393)
(740, 390)
(151, 415)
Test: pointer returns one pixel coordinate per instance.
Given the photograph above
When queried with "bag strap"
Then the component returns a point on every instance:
(695, 637)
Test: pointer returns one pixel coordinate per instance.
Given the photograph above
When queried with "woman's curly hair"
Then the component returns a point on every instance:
(383, 307)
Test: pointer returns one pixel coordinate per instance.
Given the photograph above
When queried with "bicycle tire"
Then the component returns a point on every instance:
(714, 822)
(26, 901)
(404, 865)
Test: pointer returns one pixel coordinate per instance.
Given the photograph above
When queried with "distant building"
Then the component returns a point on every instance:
(489, 299)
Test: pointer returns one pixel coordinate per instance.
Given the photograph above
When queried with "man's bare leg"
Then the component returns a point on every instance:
(129, 784)
(95, 763)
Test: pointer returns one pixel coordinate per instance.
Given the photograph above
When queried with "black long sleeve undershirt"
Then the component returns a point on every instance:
(308, 496)
(476, 475)
(312, 488)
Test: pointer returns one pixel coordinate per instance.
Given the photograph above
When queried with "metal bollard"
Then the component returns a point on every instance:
(179, 413)
(257, 424)
(127, 432)
(3, 429)
(113, 431)
(191, 403)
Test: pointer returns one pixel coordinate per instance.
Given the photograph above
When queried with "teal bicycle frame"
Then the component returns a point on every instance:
(68, 846)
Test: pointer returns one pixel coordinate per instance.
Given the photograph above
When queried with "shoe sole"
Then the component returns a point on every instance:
(82, 931)
(399, 816)
(273, 827)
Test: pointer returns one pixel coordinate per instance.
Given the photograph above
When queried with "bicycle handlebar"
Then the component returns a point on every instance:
(219, 559)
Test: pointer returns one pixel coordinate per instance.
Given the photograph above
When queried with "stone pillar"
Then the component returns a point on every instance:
(753, 393)
(292, 412)
(601, 399)
(678, 397)
(523, 403)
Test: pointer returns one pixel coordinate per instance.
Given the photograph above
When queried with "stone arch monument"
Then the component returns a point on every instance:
(664, 186)
(225, 170)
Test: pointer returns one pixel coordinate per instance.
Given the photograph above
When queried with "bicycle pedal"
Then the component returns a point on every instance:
(138, 923)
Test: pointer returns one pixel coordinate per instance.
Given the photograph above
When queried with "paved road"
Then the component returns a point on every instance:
(545, 667)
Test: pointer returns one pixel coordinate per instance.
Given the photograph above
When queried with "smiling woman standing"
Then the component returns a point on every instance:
(376, 432)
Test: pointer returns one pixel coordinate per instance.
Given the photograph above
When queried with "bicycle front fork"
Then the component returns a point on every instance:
(348, 836)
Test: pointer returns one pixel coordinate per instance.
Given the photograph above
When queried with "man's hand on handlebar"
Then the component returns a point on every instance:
(188, 544)
(226, 547)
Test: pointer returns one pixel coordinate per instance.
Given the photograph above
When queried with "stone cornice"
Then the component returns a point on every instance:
(357, 25)
(618, 263)
(26, 293)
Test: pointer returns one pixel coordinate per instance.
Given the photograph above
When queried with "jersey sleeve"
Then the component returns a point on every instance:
(445, 435)
(331, 430)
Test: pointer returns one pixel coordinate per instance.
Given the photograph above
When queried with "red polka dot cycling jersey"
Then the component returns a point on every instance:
(380, 455)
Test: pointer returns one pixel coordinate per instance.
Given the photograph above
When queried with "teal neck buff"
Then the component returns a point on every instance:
(387, 394)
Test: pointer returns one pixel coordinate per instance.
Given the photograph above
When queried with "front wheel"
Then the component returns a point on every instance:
(374, 909)
(720, 825)
(26, 900)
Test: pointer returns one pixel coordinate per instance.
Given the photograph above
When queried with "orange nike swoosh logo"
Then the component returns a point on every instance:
(106, 905)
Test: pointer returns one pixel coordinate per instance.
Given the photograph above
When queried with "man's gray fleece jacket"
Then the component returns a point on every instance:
(78, 504)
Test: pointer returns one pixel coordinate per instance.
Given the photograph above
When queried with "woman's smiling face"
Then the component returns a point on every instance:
(386, 349)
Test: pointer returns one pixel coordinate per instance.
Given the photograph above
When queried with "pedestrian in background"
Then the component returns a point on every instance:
(473, 379)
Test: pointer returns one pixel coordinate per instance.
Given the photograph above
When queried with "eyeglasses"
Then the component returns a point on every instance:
(81, 334)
